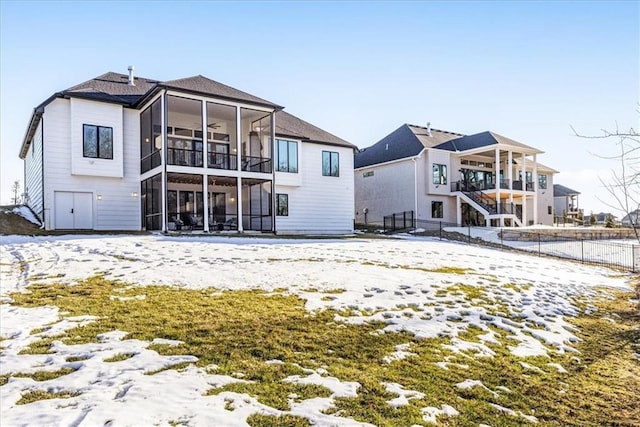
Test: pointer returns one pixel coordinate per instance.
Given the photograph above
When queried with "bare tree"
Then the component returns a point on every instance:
(16, 189)
(624, 183)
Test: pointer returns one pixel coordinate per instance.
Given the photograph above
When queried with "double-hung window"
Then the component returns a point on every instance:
(286, 156)
(439, 174)
(97, 142)
(437, 210)
(330, 163)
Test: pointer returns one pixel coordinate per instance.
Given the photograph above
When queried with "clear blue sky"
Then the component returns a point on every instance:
(526, 70)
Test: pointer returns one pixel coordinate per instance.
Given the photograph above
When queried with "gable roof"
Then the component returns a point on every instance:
(405, 142)
(480, 140)
(294, 127)
(204, 86)
(562, 191)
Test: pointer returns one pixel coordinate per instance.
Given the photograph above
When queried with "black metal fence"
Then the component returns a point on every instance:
(607, 253)
(399, 221)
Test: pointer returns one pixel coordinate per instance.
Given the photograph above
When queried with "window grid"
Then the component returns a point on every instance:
(282, 205)
(439, 174)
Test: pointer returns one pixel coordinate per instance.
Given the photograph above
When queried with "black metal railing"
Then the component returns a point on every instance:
(398, 221)
(151, 161)
(587, 251)
(222, 161)
(472, 186)
(256, 164)
(184, 157)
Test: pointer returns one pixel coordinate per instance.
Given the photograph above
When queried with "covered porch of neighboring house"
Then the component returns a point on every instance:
(496, 184)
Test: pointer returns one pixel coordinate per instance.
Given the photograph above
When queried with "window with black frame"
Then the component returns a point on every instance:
(286, 156)
(439, 174)
(97, 142)
(282, 205)
(330, 163)
(437, 210)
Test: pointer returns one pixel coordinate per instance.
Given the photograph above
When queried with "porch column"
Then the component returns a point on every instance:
(205, 145)
(239, 205)
(238, 140)
(163, 160)
(458, 211)
(498, 181)
(205, 200)
(534, 178)
(523, 172)
(509, 168)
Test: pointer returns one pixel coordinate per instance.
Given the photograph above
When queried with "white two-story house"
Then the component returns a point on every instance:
(119, 152)
(481, 179)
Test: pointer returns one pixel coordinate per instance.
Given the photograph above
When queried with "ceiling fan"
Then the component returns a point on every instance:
(213, 125)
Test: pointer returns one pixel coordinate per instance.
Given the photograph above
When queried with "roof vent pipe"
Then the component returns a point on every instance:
(131, 69)
(428, 128)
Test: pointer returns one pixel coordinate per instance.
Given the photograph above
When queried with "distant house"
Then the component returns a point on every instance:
(631, 219)
(565, 202)
(480, 179)
(600, 218)
(120, 152)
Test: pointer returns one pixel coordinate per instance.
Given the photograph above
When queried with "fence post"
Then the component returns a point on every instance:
(469, 232)
(539, 251)
(502, 236)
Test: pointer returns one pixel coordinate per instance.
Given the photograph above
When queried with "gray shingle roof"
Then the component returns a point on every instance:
(562, 191)
(405, 142)
(205, 86)
(292, 126)
(482, 139)
(112, 87)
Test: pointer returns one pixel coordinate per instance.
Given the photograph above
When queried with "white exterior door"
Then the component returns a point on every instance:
(73, 210)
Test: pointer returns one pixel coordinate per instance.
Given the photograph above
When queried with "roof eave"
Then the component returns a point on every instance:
(31, 130)
(265, 104)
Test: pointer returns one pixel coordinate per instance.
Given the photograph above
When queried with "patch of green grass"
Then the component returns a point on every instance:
(239, 331)
(34, 396)
(175, 366)
(119, 357)
(76, 358)
(259, 420)
(275, 393)
(45, 375)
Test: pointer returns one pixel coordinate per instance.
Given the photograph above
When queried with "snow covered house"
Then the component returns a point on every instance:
(120, 152)
(480, 179)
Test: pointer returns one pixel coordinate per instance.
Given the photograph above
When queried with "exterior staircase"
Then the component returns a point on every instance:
(489, 207)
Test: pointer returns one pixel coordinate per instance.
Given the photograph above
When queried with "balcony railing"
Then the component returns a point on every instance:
(222, 161)
(473, 186)
(182, 157)
(151, 161)
(256, 164)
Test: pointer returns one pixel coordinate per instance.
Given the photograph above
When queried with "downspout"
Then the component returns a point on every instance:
(273, 172)
(42, 169)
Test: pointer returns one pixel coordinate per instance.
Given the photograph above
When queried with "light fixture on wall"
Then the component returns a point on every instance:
(99, 197)
(232, 199)
(134, 194)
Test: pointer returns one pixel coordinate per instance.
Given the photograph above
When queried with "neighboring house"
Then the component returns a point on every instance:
(481, 179)
(119, 152)
(600, 218)
(631, 219)
(565, 202)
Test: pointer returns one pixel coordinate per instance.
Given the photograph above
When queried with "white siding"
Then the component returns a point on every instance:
(98, 114)
(33, 173)
(545, 200)
(118, 209)
(318, 204)
(391, 189)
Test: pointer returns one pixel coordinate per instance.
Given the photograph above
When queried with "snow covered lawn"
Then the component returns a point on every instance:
(158, 330)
